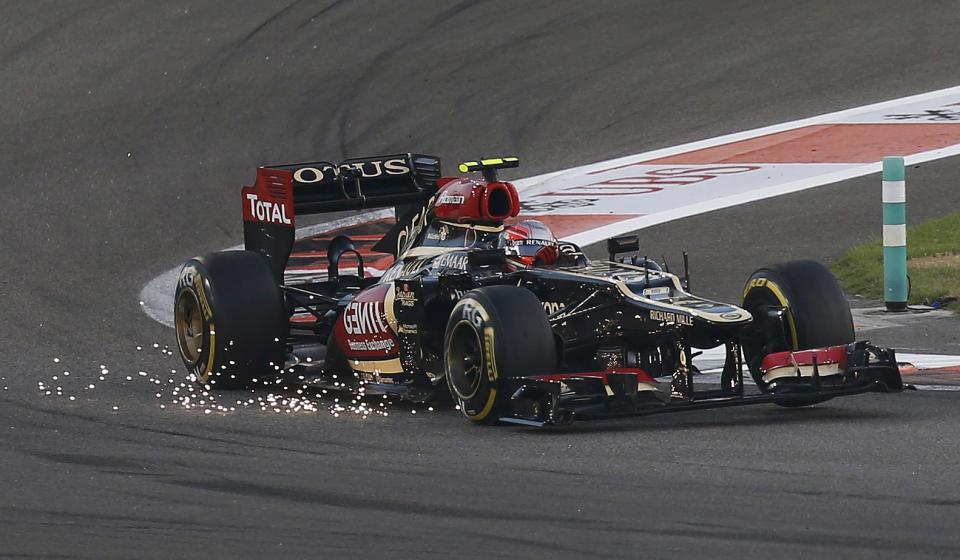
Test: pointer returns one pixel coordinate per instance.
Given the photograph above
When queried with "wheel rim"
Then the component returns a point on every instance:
(465, 361)
(188, 319)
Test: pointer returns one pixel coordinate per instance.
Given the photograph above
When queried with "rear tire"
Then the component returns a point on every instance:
(230, 319)
(818, 314)
(495, 332)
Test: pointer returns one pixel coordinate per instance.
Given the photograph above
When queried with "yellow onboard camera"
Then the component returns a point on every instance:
(490, 166)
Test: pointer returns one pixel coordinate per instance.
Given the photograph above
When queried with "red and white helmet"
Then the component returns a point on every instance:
(533, 243)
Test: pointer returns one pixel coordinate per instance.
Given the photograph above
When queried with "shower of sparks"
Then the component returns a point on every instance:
(267, 394)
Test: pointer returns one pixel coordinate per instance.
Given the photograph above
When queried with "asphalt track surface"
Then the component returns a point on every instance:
(127, 128)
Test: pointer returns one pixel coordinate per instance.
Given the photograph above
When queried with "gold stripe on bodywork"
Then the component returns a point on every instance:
(714, 317)
(421, 252)
(663, 305)
(383, 367)
(388, 300)
(476, 227)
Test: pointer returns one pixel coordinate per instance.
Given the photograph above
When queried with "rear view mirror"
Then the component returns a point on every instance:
(622, 244)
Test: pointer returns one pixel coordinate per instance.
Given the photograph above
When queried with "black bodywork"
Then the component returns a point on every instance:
(608, 317)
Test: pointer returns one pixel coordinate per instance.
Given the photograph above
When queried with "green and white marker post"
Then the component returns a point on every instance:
(895, 286)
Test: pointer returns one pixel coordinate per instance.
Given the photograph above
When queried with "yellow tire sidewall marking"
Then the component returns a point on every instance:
(490, 358)
(211, 328)
(211, 347)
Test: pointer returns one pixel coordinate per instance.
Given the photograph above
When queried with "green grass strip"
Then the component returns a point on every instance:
(934, 274)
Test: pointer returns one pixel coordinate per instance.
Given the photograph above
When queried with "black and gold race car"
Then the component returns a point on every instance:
(516, 325)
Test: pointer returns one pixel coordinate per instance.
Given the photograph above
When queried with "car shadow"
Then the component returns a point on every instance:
(748, 416)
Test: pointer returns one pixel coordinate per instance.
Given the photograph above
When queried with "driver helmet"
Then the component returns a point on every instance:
(531, 242)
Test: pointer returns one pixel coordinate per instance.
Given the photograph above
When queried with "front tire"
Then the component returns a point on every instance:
(495, 332)
(817, 313)
(230, 319)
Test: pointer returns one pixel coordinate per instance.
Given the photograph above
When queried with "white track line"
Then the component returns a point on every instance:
(837, 116)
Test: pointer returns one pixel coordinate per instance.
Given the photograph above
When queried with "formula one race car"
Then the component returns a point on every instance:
(514, 324)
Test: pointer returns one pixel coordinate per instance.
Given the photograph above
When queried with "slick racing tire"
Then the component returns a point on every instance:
(495, 332)
(230, 319)
(817, 314)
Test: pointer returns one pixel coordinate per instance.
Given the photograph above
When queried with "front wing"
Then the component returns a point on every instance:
(561, 399)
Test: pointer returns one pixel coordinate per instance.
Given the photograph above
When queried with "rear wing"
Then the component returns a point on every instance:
(283, 192)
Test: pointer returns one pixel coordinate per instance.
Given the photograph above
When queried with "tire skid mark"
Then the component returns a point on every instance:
(323, 11)
(86, 460)
(374, 67)
(355, 502)
(210, 439)
(74, 415)
(550, 543)
(886, 498)
(110, 520)
(28, 44)
(242, 41)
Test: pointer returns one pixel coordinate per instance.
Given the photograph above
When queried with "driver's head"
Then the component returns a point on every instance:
(531, 242)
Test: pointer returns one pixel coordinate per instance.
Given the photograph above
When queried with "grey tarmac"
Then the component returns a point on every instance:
(127, 128)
